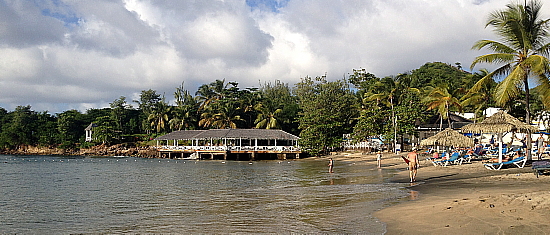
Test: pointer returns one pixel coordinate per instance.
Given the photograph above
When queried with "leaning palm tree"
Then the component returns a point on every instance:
(524, 54)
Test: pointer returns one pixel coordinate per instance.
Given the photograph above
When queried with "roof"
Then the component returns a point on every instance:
(448, 137)
(229, 134)
(434, 123)
(500, 122)
(435, 119)
(92, 125)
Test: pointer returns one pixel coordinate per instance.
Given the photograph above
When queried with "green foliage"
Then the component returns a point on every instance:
(390, 108)
(105, 130)
(18, 129)
(46, 129)
(436, 74)
(328, 111)
(148, 101)
(70, 127)
(277, 108)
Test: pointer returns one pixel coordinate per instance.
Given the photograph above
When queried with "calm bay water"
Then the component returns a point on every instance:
(62, 195)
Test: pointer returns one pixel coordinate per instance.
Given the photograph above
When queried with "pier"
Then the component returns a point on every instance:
(229, 144)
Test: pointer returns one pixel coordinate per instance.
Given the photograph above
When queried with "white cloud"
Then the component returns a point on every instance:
(58, 55)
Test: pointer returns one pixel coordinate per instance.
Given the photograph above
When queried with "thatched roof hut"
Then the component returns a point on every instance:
(448, 137)
(500, 122)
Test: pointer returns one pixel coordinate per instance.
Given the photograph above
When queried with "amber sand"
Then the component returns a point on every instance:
(465, 199)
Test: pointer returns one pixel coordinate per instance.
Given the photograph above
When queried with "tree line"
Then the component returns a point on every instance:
(318, 110)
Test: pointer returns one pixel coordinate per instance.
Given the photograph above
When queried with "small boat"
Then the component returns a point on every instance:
(193, 156)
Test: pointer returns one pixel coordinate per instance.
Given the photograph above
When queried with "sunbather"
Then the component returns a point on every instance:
(435, 155)
(505, 158)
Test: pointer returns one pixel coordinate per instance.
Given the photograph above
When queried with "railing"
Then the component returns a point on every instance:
(231, 148)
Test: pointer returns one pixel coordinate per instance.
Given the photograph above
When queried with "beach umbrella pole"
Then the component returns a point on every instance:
(499, 147)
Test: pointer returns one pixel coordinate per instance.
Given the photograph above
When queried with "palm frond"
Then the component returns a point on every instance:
(493, 58)
(544, 50)
(495, 46)
(509, 87)
(539, 65)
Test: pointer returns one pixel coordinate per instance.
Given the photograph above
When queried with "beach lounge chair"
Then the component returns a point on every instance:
(540, 167)
(466, 158)
(433, 160)
(453, 159)
(519, 162)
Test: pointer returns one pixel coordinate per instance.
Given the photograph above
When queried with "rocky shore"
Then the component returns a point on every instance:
(99, 150)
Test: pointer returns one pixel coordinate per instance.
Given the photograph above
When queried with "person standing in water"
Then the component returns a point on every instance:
(413, 164)
(330, 165)
(379, 159)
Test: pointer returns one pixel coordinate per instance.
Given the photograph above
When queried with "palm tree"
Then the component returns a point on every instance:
(443, 102)
(390, 90)
(185, 113)
(523, 53)
(159, 116)
(215, 91)
(267, 119)
(222, 117)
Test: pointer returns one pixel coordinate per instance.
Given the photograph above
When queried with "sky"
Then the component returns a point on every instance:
(57, 55)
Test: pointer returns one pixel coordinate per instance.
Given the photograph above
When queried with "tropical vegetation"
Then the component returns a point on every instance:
(319, 110)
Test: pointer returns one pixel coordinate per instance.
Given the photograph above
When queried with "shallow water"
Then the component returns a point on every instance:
(46, 194)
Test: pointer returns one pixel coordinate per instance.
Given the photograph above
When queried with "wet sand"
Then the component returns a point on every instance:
(466, 199)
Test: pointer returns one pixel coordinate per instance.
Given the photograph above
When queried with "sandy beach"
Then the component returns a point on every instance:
(466, 199)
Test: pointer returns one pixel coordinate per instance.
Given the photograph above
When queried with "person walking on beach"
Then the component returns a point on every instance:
(379, 159)
(413, 164)
(330, 165)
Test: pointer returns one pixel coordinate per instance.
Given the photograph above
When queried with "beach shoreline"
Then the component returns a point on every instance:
(465, 199)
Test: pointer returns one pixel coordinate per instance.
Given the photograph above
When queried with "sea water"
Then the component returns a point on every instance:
(67, 195)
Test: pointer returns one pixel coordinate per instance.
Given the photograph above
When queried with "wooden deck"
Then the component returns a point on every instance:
(231, 152)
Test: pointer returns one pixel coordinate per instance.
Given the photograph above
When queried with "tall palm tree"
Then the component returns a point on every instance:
(443, 102)
(524, 53)
(390, 91)
(185, 113)
(159, 116)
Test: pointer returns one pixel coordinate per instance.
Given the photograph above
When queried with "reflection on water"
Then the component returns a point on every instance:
(42, 194)
(413, 195)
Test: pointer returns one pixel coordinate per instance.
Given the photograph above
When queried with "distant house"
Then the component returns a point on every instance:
(89, 131)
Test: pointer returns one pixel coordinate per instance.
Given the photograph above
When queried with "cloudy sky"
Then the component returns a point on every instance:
(57, 55)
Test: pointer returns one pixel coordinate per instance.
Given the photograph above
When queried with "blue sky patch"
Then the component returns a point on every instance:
(60, 11)
(267, 5)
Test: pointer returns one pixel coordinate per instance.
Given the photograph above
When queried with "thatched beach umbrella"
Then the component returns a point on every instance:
(448, 137)
(500, 122)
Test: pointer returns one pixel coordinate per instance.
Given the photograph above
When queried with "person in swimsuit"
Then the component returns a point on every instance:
(379, 159)
(413, 164)
(330, 165)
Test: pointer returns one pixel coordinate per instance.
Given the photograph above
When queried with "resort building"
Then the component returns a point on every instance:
(434, 125)
(229, 144)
